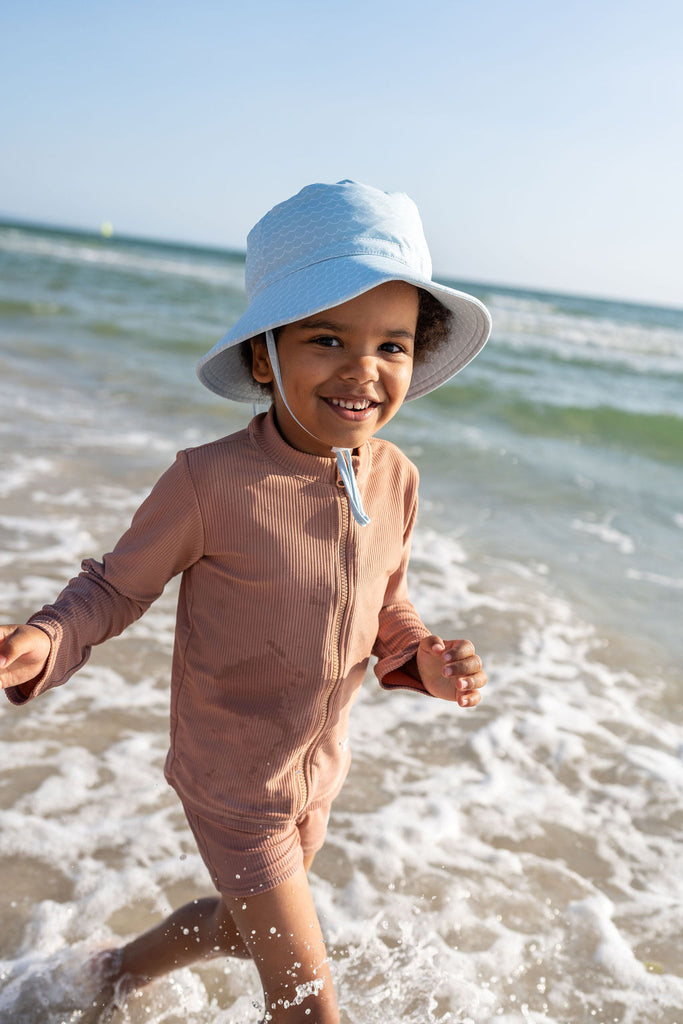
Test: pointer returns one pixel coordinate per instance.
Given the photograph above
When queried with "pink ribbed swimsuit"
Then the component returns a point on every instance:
(283, 599)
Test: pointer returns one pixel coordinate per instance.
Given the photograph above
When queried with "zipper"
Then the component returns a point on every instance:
(336, 644)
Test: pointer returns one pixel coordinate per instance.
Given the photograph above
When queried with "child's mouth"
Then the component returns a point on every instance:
(352, 408)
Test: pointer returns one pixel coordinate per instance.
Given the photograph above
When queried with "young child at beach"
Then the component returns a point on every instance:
(292, 537)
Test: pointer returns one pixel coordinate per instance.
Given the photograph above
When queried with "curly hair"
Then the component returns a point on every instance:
(433, 326)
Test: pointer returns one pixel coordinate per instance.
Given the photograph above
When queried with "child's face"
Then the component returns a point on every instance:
(357, 354)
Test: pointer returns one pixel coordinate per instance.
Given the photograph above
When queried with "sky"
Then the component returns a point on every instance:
(542, 141)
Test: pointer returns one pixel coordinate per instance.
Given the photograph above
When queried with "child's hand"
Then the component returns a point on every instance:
(451, 670)
(24, 650)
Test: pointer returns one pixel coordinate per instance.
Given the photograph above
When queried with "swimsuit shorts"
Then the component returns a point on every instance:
(244, 862)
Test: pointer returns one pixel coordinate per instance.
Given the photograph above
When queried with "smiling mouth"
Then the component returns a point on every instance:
(353, 404)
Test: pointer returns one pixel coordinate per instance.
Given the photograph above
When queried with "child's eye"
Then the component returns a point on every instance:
(326, 340)
(392, 347)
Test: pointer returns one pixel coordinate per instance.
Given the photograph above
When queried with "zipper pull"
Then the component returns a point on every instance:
(345, 466)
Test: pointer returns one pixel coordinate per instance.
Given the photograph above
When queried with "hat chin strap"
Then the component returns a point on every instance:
(344, 463)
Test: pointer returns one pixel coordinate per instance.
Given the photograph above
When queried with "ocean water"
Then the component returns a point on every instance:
(521, 862)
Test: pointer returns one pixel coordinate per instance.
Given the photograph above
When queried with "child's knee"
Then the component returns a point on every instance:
(227, 938)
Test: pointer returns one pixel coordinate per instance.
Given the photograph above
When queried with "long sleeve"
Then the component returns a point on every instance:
(400, 627)
(165, 537)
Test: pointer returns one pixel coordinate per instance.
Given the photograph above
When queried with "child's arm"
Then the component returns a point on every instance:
(165, 537)
(408, 656)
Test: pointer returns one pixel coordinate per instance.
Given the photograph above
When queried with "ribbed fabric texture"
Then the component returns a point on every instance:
(283, 599)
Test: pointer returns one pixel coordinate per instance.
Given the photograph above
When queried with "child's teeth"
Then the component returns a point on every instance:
(350, 405)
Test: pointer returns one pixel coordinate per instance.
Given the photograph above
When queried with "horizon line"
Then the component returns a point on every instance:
(113, 236)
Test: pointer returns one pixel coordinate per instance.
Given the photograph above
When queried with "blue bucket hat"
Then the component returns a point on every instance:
(325, 246)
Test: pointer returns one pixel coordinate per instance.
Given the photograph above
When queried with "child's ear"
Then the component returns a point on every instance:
(260, 367)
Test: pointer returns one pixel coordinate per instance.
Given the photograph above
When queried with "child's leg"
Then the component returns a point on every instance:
(201, 929)
(278, 929)
(281, 931)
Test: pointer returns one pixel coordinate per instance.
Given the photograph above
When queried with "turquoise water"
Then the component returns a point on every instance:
(523, 855)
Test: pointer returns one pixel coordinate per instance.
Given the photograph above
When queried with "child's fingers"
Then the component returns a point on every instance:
(473, 682)
(468, 687)
(461, 666)
(446, 689)
(433, 645)
(459, 676)
(469, 699)
(456, 649)
(7, 648)
(23, 653)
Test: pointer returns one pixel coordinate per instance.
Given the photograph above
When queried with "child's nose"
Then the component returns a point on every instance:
(361, 368)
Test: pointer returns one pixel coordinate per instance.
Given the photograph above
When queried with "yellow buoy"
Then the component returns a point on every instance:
(107, 229)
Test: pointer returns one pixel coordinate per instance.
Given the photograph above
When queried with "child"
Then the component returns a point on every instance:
(293, 538)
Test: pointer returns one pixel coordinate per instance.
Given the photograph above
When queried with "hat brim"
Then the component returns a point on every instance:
(338, 280)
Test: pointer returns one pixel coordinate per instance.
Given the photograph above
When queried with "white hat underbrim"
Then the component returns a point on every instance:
(333, 282)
